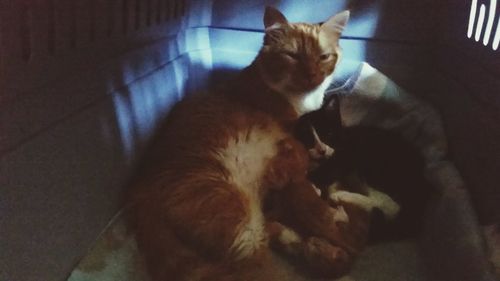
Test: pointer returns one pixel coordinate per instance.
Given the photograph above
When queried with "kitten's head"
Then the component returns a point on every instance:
(320, 130)
(325, 122)
(297, 57)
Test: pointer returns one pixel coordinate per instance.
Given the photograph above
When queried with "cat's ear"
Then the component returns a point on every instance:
(274, 18)
(336, 24)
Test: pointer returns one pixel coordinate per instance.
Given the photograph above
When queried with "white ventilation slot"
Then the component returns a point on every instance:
(51, 27)
(496, 40)
(489, 24)
(472, 18)
(480, 24)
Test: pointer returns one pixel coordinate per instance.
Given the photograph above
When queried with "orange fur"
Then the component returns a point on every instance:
(197, 204)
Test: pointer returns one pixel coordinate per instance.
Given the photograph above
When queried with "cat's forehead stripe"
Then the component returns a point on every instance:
(308, 29)
(309, 35)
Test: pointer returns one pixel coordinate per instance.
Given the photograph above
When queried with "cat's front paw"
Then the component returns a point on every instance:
(356, 207)
(325, 259)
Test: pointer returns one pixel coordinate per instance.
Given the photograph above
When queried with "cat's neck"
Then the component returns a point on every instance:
(252, 90)
(301, 102)
(309, 101)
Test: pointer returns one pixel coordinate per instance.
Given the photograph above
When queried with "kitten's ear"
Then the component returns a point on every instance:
(273, 18)
(332, 113)
(336, 24)
(331, 104)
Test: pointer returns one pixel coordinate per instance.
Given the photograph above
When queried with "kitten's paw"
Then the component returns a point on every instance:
(334, 187)
(384, 203)
(340, 216)
(343, 197)
(317, 190)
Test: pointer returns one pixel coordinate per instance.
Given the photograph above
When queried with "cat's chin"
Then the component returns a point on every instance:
(286, 89)
(311, 100)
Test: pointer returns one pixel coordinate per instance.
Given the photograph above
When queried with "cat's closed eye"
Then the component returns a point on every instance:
(326, 56)
(290, 55)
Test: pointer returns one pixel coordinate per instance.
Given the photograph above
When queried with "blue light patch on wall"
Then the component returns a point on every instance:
(125, 124)
(363, 24)
(141, 107)
(353, 49)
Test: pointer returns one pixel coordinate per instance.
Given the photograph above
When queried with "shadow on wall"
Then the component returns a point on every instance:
(65, 160)
(142, 107)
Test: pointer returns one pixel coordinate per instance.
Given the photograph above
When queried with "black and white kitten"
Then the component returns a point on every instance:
(360, 163)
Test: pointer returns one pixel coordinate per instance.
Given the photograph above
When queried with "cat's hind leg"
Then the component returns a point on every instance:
(312, 216)
(298, 203)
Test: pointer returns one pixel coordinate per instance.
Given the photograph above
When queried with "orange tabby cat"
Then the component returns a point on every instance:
(197, 206)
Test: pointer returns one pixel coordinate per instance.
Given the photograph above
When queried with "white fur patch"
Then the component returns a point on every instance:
(246, 156)
(362, 201)
(312, 100)
(384, 203)
(252, 234)
(301, 102)
(317, 190)
(341, 215)
(374, 199)
(335, 186)
(289, 239)
(288, 236)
